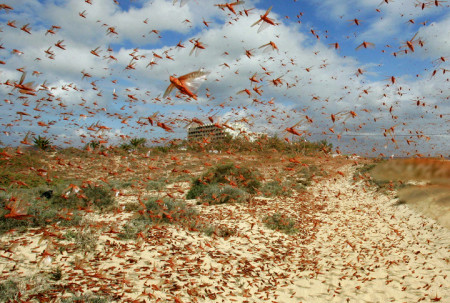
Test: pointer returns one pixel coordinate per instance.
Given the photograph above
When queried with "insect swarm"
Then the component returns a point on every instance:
(328, 131)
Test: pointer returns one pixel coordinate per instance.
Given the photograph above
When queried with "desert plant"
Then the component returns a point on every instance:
(41, 213)
(9, 291)
(229, 173)
(132, 228)
(155, 185)
(167, 210)
(126, 147)
(85, 239)
(276, 188)
(56, 274)
(137, 142)
(281, 223)
(42, 143)
(216, 194)
(363, 170)
(94, 144)
(224, 231)
(17, 167)
(161, 149)
(157, 211)
(101, 197)
(87, 298)
(62, 206)
(120, 184)
(325, 146)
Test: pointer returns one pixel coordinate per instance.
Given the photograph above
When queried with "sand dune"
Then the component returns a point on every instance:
(363, 247)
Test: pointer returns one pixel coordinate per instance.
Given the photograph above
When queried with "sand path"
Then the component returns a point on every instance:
(372, 250)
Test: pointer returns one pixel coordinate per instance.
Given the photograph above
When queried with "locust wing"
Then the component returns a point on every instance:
(194, 80)
(168, 90)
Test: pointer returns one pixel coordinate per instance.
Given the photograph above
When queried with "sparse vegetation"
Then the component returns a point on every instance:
(134, 144)
(94, 144)
(155, 185)
(15, 170)
(219, 194)
(42, 143)
(85, 239)
(9, 291)
(137, 142)
(87, 298)
(56, 274)
(126, 147)
(225, 174)
(160, 149)
(276, 188)
(262, 144)
(362, 170)
(157, 211)
(73, 196)
(65, 206)
(382, 185)
(281, 223)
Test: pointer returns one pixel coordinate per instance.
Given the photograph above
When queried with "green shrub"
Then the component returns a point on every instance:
(42, 143)
(158, 211)
(42, 212)
(281, 223)
(276, 188)
(126, 147)
(167, 210)
(224, 232)
(363, 170)
(87, 299)
(9, 291)
(137, 142)
(17, 168)
(132, 228)
(85, 239)
(196, 190)
(56, 274)
(216, 194)
(155, 185)
(60, 208)
(161, 150)
(228, 173)
(94, 144)
(120, 184)
(101, 197)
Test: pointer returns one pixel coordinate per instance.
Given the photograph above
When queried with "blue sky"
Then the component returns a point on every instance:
(407, 117)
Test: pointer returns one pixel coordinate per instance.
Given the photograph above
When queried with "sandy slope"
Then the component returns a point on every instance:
(374, 251)
(366, 249)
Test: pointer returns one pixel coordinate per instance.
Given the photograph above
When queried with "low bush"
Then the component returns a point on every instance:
(158, 211)
(99, 197)
(87, 299)
(276, 188)
(363, 170)
(85, 239)
(157, 185)
(281, 223)
(64, 207)
(226, 174)
(216, 194)
(40, 213)
(9, 291)
(17, 168)
(42, 143)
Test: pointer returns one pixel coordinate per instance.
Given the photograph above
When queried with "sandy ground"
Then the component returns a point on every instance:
(361, 247)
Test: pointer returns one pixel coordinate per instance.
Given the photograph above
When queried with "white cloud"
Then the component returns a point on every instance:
(321, 81)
